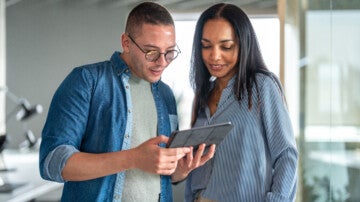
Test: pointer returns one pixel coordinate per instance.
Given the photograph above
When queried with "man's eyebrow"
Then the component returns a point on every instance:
(156, 47)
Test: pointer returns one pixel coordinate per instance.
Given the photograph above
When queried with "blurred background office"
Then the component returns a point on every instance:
(312, 45)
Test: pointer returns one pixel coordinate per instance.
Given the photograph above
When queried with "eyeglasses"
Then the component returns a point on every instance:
(154, 55)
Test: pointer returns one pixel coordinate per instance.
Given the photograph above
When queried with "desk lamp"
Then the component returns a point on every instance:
(23, 111)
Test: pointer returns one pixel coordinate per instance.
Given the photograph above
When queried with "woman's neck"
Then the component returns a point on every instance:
(220, 84)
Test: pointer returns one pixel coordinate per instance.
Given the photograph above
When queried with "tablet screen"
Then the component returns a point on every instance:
(210, 134)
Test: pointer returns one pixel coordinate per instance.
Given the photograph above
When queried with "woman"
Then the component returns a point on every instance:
(257, 161)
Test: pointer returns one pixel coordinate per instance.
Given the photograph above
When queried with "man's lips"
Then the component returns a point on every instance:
(156, 71)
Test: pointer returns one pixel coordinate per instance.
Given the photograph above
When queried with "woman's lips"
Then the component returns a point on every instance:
(216, 67)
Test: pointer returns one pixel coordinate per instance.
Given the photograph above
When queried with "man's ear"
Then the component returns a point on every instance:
(125, 42)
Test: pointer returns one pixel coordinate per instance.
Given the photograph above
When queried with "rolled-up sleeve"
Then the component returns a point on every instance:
(55, 162)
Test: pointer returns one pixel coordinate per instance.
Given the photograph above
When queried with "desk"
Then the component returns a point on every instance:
(26, 172)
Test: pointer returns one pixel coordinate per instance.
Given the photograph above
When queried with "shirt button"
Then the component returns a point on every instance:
(127, 136)
(129, 111)
(127, 87)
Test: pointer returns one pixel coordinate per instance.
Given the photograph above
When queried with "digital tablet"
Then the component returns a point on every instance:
(210, 134)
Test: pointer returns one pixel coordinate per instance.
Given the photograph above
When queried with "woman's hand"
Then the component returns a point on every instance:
(189, 162)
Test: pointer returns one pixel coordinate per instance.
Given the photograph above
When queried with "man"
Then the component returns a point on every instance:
(107, 120)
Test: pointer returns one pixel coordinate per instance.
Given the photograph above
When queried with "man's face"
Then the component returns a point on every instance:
(149, 38)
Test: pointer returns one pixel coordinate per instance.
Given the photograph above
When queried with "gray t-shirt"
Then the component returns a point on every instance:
(139, 185)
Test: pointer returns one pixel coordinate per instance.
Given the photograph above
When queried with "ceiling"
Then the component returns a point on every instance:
(252, 7)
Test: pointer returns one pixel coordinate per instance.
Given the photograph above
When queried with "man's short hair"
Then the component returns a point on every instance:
(147, 13)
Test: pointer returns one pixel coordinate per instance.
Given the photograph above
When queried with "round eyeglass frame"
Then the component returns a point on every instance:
(154, 55)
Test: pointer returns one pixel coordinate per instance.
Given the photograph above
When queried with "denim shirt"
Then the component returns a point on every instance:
(91, 111)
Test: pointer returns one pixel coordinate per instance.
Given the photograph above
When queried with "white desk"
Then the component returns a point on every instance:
(26, 165)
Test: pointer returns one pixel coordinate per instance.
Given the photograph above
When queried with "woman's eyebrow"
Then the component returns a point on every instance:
(226, 40)
(222, 41)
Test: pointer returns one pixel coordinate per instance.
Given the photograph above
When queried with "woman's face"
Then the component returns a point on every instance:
(219, 48)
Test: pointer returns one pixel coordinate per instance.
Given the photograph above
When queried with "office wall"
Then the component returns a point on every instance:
(45, 40)
(2, 66)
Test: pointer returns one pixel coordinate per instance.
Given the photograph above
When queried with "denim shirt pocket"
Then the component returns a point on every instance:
(173, 122)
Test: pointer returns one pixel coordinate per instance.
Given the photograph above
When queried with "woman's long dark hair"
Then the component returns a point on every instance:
(250, 60)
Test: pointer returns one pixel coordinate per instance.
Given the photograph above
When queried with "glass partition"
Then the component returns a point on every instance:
(330, 100)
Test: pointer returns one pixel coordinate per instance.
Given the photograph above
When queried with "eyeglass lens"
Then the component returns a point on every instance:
(154, 55)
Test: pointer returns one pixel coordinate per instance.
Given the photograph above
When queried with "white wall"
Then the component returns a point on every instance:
(45, 40)
(2, 66)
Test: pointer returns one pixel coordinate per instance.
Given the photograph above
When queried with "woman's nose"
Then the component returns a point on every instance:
(215, 54)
